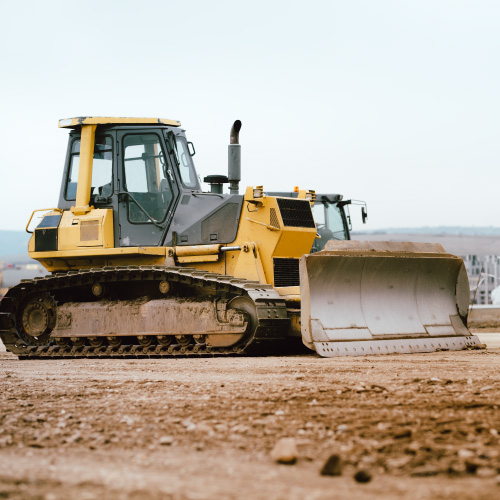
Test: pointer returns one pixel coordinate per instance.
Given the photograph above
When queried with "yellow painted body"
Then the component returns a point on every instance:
(86, 241)
(85, 237)
(85, 172)
(93, 230)
(262, 227)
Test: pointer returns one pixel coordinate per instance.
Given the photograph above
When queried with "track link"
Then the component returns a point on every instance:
(271, 325)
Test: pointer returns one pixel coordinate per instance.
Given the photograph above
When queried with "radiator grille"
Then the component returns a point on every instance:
(296, 213)
(274, 219)
(286, 272)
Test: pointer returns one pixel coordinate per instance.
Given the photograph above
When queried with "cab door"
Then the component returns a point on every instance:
(148, 192)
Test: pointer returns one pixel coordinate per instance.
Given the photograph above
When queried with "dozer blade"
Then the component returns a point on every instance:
(361, 297)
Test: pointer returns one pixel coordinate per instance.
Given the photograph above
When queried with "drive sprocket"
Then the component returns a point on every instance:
(35, 319)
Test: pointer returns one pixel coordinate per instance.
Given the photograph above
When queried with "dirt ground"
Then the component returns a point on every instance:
(423, 426)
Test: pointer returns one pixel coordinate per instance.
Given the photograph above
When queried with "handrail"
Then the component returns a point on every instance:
(40, 210)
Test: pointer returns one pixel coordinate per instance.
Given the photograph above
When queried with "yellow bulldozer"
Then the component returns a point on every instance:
(143, 262)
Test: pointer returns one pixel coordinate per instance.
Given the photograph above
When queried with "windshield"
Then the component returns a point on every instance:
(329, 223)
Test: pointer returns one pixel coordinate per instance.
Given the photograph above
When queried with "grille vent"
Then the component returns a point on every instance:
(274, 219)
(286, 272)
(296, 213)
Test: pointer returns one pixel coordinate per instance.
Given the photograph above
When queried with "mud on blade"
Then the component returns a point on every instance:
(383, 297)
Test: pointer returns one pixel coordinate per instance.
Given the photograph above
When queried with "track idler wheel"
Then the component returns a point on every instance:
(145, 340)
(96, 341)
(115, 341)
(200, 339)
(164, 340)
(246, 306)
(183, 340)
(78, 341)
(36, 319)
(62, 341)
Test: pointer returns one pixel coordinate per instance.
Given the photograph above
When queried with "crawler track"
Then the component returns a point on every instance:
(270, 324)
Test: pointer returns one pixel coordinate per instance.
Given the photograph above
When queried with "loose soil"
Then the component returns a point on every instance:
(423, 425)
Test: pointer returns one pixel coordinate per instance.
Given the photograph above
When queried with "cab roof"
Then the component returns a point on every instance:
(107, 120)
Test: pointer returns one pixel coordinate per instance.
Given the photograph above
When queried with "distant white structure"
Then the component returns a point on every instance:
(484, 275)
(495, 296)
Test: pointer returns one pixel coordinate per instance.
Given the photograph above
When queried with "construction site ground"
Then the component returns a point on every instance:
(422, 426)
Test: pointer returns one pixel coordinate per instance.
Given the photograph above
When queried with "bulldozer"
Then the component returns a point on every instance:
(144, 263)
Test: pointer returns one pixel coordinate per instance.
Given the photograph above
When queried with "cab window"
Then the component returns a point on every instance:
(186, 167)
(102, 169)
(329, 224)
(147, 178)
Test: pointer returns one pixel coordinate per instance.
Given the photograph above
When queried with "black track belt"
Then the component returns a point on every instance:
(272, 320)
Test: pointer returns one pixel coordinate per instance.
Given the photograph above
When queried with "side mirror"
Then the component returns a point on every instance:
(364, 214)
(191, 149)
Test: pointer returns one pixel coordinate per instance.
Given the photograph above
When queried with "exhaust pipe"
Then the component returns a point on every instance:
(234, 158)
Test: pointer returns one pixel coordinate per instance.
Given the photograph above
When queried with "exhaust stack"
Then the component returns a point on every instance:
(234, 158)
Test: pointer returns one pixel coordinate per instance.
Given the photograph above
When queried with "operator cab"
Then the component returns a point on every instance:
(141, 171)
(332, 222)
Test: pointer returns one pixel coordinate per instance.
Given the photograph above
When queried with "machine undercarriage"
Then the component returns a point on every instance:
(140, 311)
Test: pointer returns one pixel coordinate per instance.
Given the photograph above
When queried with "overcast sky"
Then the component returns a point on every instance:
(393, 102)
